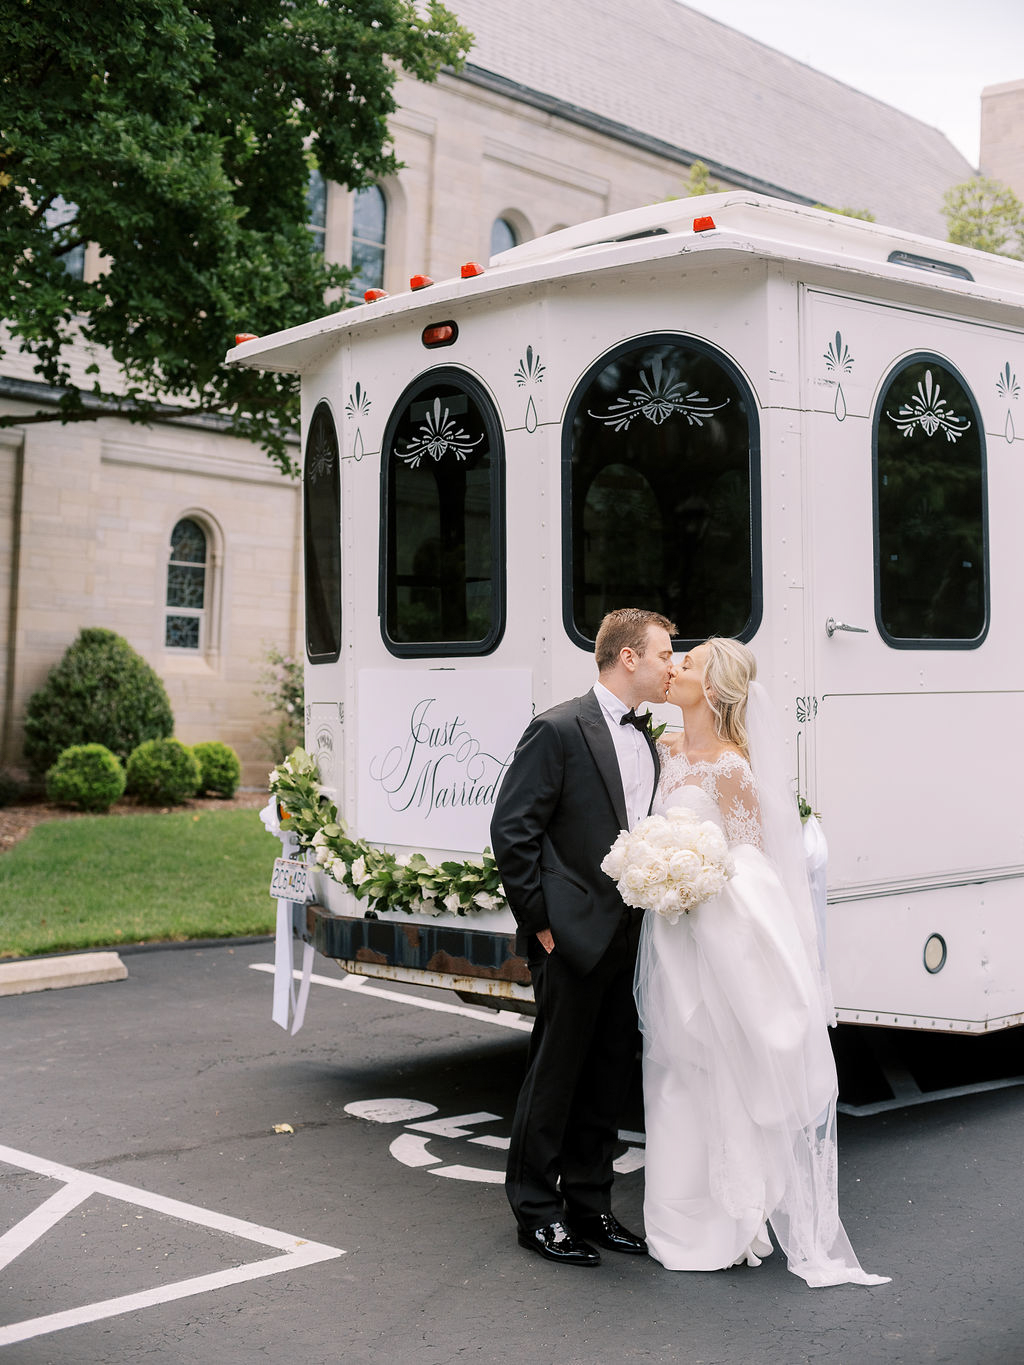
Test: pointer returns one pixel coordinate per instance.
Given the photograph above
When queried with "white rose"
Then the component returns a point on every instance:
(359, 872)
(319, 839)
(323, 855)
(452, 902)
(484, 900)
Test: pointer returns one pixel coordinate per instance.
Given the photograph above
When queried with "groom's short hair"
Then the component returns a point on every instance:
(626, 629)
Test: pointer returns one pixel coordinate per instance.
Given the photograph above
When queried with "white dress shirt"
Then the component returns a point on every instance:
(636, 762)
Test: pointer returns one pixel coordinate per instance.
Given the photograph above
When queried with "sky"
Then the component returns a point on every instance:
(930, 58)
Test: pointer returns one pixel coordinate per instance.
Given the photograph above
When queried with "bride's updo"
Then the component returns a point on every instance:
(730, 670)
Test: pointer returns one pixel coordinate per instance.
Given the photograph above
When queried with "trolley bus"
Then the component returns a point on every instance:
(763, 420)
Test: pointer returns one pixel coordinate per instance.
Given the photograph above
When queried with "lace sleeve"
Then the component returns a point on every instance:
(737, 800)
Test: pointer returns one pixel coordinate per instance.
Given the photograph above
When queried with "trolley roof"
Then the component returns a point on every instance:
(716, 229)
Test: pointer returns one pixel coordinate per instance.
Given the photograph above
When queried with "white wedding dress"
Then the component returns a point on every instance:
(739, 1079)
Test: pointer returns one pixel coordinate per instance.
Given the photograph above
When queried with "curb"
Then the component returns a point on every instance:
(53, 973)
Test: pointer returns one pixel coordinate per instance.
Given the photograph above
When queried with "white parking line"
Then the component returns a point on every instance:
(80, 1185)
(503, 1018)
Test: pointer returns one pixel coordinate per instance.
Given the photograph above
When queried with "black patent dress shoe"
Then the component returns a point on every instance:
(606, 1230)
(556, 1242)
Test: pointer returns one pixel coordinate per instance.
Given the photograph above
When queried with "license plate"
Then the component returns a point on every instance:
(292, 880)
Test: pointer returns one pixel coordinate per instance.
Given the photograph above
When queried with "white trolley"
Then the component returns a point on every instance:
(763, 420)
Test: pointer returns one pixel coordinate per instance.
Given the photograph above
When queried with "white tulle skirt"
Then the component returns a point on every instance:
(739, 1087)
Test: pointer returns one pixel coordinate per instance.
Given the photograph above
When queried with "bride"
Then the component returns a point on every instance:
(739, 1081)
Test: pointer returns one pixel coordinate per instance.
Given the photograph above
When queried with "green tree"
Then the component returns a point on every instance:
(987, 215)
(179, 138)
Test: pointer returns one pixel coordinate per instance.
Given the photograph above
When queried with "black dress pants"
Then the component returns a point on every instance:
(581, 1059)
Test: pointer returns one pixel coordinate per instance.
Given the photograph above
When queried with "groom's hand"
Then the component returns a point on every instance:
(546, 941)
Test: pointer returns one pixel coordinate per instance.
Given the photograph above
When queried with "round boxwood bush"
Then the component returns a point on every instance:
(219, 768)
(101, 692)
(163, 772)
(87, 776)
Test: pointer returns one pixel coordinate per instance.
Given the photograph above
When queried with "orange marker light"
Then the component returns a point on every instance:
(703, 224)
(420, 281)
(372, 295)
(472, 268)
(242, 337)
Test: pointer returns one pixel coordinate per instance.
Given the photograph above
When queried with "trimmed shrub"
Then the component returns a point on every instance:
(163, 772)
(101, 692)
(87, 776)
(219, 768)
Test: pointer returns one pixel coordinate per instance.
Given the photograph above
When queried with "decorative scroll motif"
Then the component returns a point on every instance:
(660, 396)
(322, 452)
(838, 360)
(530, 371)
(929, 411)
(358, 405)
(806, 709)
(438, 435)
(1007, 387)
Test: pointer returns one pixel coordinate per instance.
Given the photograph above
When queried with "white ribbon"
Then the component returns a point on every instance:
(816, 853)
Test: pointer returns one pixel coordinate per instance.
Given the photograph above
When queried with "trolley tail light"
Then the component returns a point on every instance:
(703, 224)
(440, 334)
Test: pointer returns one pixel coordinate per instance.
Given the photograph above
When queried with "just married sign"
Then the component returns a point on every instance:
(432, 748)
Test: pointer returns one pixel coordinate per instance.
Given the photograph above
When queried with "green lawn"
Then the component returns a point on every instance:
(106, 880)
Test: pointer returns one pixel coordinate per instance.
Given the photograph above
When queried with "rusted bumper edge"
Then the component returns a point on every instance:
(469, 961)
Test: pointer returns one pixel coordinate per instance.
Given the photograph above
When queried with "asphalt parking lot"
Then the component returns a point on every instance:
(183, 1181)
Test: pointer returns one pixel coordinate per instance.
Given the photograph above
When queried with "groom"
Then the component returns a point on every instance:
(582, 772)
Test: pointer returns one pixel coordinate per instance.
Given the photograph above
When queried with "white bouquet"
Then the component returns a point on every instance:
(669, 863)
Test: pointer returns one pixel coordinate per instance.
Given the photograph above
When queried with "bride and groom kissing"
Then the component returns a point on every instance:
(732, 1002)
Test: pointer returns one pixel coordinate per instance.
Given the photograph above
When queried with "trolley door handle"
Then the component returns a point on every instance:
(832, 625)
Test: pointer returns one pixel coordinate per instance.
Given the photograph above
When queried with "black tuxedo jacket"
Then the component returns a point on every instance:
(558, 811)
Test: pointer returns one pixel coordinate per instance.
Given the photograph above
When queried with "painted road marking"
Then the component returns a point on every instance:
(81, 1185)
(503, 1018)
(413, 1151)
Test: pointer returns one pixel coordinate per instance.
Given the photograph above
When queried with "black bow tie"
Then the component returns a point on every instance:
(641, 722)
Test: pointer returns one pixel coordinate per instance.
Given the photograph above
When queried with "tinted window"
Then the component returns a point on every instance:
(930, 514)
(321, 487)
(661, 483)
(443, 531)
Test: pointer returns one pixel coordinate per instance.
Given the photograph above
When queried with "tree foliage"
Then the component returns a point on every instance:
(179, 138)
(987, 215)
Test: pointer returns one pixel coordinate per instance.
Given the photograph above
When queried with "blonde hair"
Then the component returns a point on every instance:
(728, 673)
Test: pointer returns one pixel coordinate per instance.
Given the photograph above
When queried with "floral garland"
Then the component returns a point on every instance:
(386, 880)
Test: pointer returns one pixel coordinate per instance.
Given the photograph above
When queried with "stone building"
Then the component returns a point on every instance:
(187, 541)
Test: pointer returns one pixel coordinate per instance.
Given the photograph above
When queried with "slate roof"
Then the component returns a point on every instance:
(663, 73)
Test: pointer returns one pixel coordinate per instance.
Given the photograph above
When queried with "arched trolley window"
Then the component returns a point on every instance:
(931, 520)
(661, 491)
(443, 523)
(321, 516)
